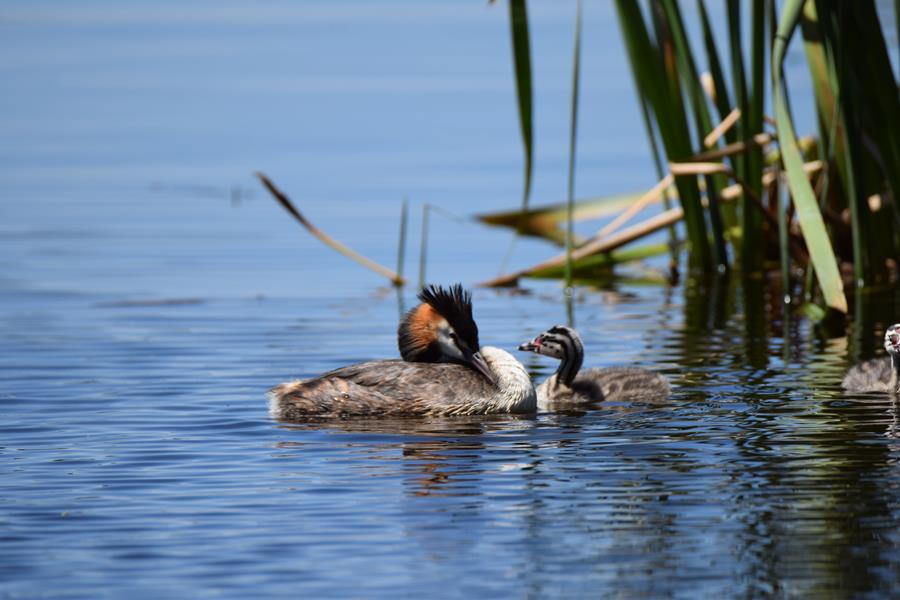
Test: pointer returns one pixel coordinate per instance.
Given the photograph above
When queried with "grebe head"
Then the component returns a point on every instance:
(553, 342)
(442, 329)
(892, 339)
(564, 344)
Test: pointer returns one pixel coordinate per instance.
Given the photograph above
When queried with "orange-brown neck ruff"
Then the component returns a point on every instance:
(417, 335)
(455, 305)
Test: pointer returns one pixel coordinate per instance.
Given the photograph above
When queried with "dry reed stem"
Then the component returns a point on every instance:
(707, 168)
(760, 139)
(732, 192)
(652, 196)
(324, 237)
(722, 128)
(709, 85)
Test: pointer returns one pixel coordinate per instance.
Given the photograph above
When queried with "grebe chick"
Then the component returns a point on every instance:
(878, 374)
(444, 372)
(569, 385)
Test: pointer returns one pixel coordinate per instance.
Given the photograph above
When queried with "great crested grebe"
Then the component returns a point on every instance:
(878, 374)
(444, 371)
(571, 386)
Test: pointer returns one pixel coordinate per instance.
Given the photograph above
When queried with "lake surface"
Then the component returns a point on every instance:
(150, 294)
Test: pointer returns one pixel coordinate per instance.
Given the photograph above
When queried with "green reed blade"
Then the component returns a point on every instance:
(722, 100)
(654, 143)
(724, 108)
(423, 245)
(658, 82)
(573, 138)
(881, 115)
(521, 49)
(401, 244)
(808, 214)
(749, 260)
(690, 77)
(754, 238)
(836, 65)
(781, 202)
(660, 172)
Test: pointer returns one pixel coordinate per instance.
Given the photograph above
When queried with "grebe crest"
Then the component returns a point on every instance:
(442, 329)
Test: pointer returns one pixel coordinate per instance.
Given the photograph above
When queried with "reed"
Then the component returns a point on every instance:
(401, 242)
(573, 138)
(852, 167)
(326, 239)
(521, 50)
(423, 245)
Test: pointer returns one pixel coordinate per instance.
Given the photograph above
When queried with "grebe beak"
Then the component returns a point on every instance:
(477, 362)
(532, 346)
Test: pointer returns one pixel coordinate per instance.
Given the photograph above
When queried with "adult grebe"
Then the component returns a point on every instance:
(444, 372)
(878, 374)
(569, 386)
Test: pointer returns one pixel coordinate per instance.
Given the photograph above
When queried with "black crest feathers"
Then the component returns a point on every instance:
(455, 305)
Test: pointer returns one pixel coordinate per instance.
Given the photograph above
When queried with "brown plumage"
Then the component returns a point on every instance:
(399, 388)
(617, 384)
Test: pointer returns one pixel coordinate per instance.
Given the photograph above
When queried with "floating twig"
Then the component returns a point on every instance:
(324, 237)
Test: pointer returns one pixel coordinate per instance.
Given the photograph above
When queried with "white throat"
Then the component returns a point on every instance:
(515, 392)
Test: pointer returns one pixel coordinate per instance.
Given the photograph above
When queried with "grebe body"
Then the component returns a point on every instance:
(398, 388)
(444, 371)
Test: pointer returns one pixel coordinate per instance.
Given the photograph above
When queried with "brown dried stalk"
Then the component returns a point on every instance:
(325, 238)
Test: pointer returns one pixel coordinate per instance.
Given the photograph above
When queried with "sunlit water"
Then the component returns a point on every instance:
(143, 318)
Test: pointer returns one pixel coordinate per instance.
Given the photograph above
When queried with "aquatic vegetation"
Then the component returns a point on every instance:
(750, 198)
(752, 195)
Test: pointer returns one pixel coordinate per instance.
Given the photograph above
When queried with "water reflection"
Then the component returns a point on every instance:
(434, 426)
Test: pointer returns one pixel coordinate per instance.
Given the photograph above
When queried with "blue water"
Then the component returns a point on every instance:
(151, 292)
